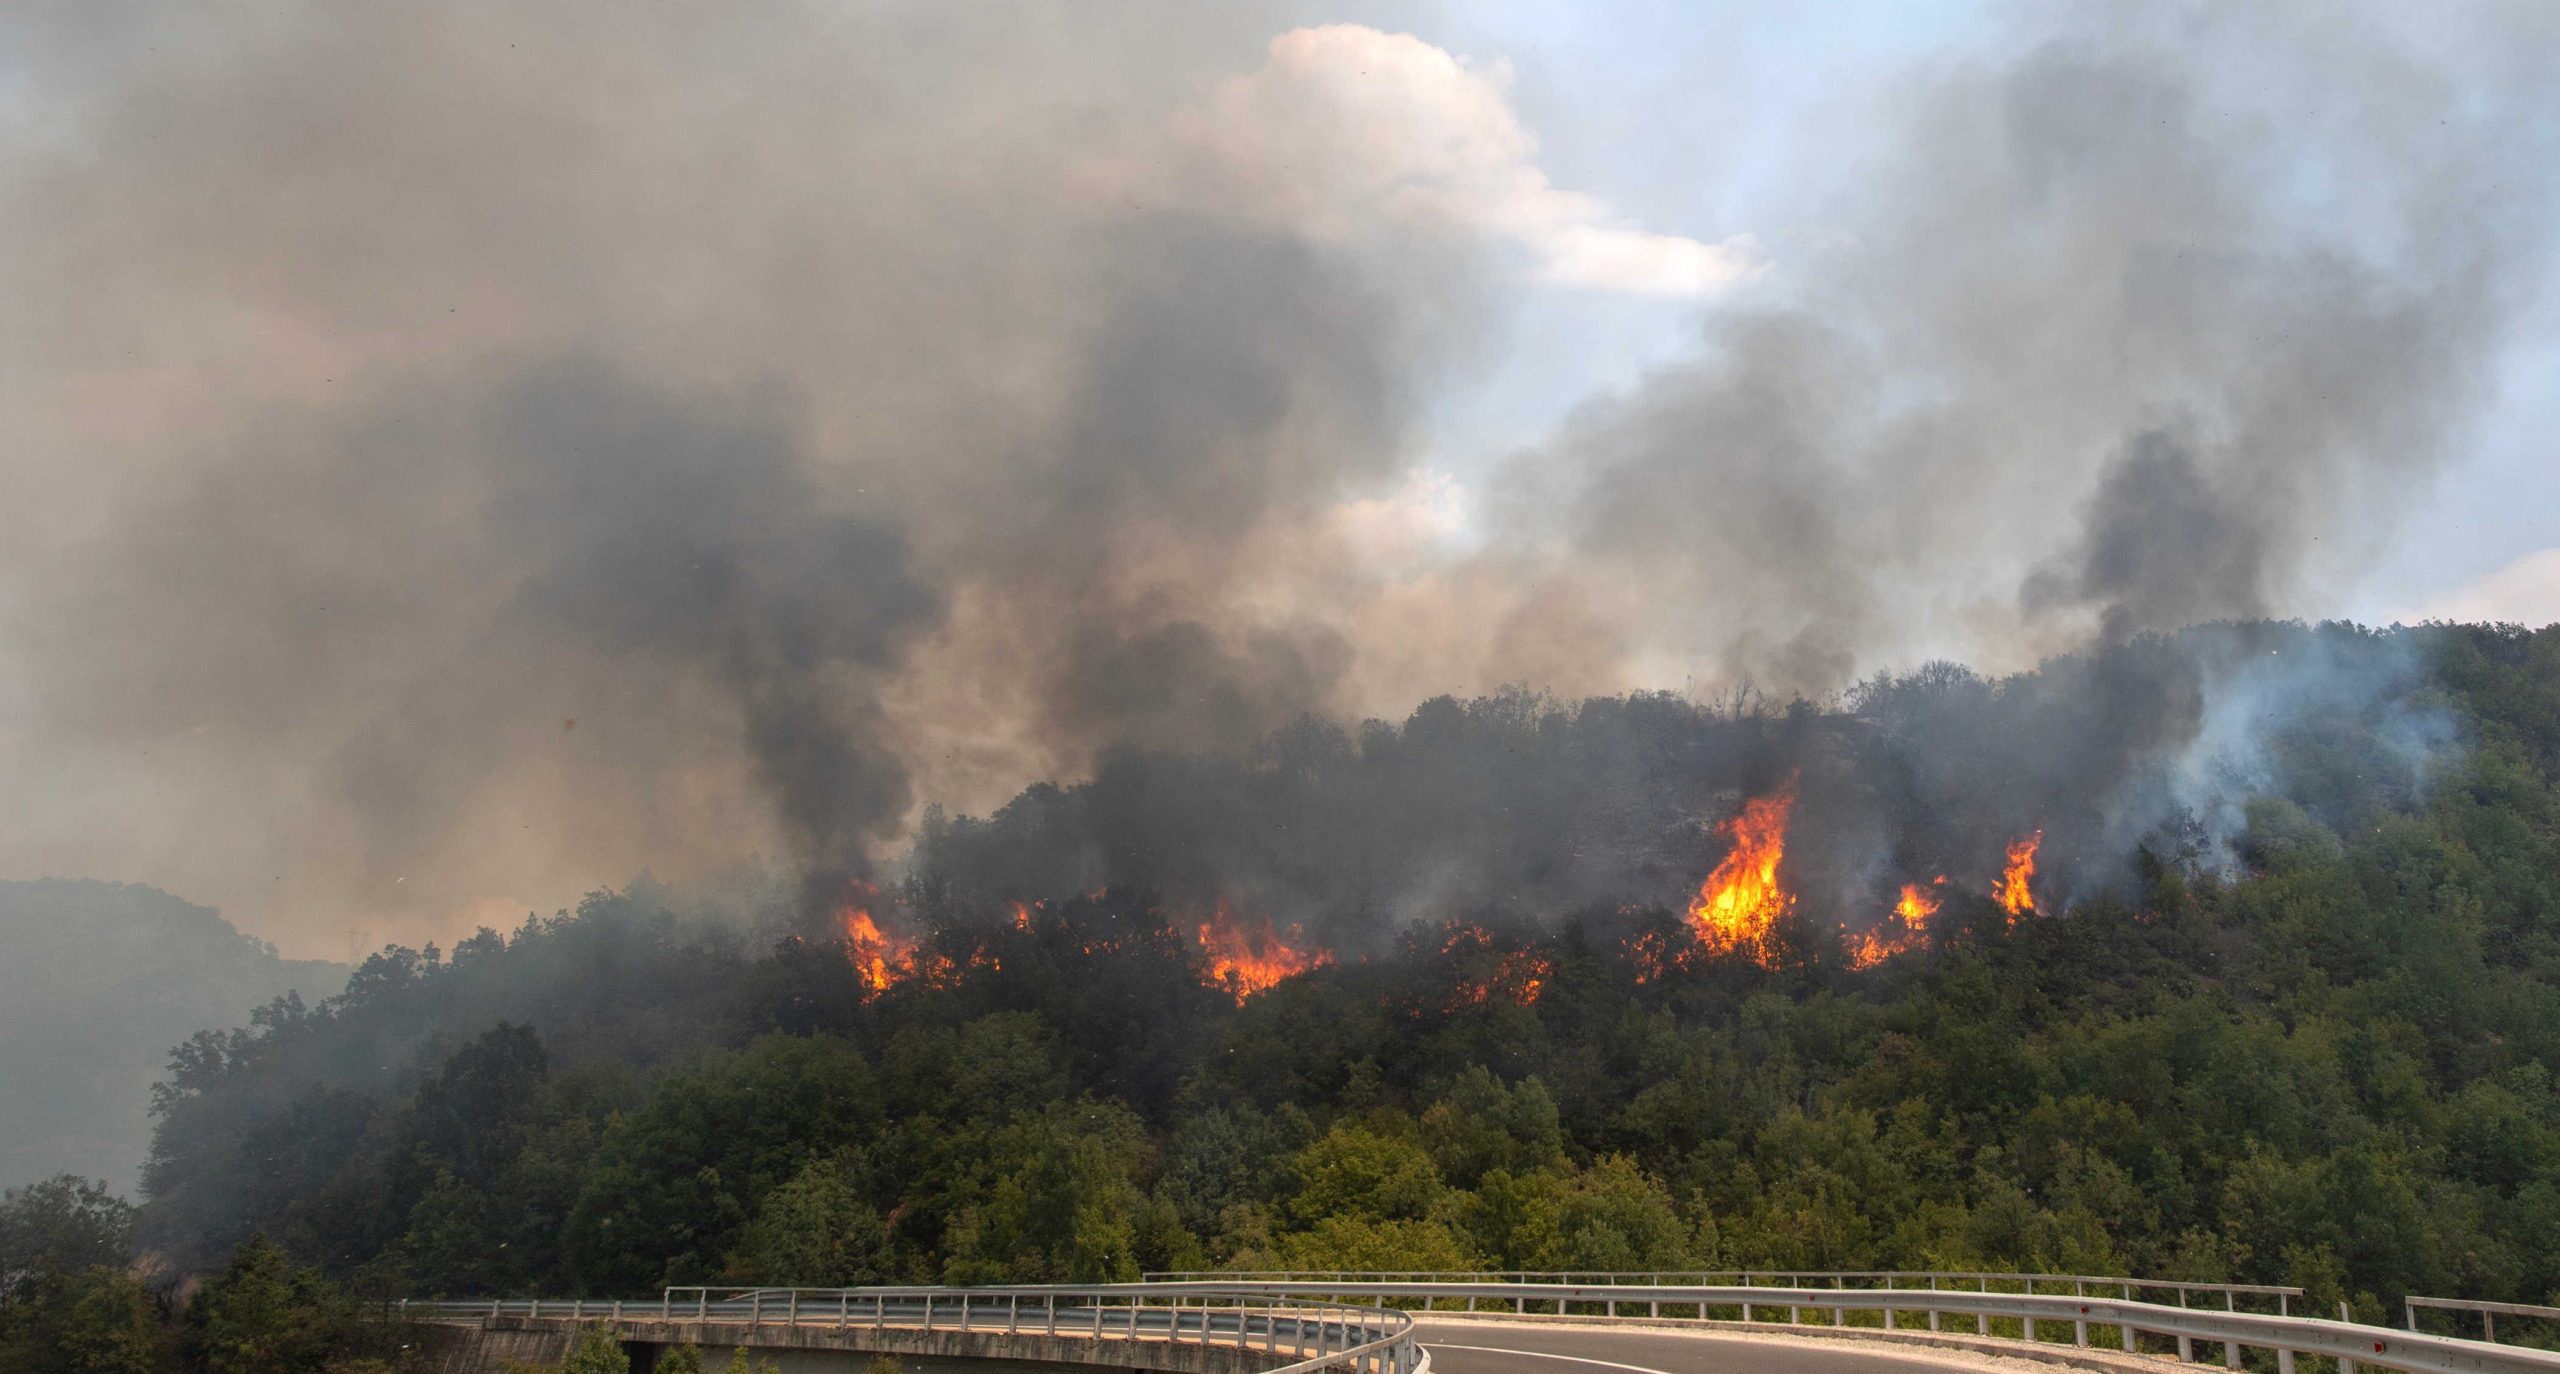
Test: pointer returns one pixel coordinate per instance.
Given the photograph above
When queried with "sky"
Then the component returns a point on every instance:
(462, 457)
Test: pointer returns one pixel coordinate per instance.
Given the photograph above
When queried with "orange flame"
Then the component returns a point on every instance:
(879, 958)
(1738, 906)
(1516, 977)
(2016, 891)
(1245, 958)
(1912, 910)
(1871, 949)
(1651, 952)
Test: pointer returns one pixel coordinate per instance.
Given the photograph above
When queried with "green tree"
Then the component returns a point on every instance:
(79, 1321)
(1358, 1171)
(815, 1231)
(1057, 1202)
(596, 1351)
(672, 1184)
(1351, 1242)
(1481, 1125)
(64, 1222)
(261, 1315)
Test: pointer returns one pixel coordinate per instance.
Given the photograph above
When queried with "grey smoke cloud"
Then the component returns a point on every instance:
(465, 454)
(2141, 326)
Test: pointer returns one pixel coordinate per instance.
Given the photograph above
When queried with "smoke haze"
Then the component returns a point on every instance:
(463, 455)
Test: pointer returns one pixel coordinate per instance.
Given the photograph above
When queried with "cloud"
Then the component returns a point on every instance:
(1352, 132)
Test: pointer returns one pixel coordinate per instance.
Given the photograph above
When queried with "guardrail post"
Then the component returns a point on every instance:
(2187, 1343)
(2125, 1329)
(844, 1309)
(792, 1316)
(2080, 1325)
(1982, 1320)
(2230, 1349)
(1933, 1307)
(928, 1314)
(1012, 1313)
(702, 1304)
(2345, 1365)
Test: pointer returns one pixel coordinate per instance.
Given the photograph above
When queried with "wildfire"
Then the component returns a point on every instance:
(1247, 957)
(1519, 980)
(879, 958)
(1911, 912)
(1738, 906)
(2016, 890)
(1653, 956)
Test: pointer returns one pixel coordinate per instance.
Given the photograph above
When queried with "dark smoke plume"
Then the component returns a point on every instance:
(464, 454)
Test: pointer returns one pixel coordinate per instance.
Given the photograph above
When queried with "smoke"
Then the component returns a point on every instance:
(670, 543)
(2140, 328)
(467, 454)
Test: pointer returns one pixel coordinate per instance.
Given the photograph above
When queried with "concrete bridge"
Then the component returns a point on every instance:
(1173, 1328)
(1479, 1324)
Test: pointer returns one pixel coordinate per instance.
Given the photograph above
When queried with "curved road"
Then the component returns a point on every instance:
(1459, 1346)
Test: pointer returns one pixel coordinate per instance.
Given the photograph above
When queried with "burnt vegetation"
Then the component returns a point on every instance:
(2298, 1032)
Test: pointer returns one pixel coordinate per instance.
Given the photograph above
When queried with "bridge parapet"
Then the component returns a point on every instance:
(1177, 1328)
(2034, 1318)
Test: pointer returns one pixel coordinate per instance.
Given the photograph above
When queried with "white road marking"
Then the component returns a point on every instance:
(1544, 1355)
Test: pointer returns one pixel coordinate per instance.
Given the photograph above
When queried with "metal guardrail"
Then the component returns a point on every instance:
(1305, 1333)
(2489, 1312)
(1982, 1281)
(2347, 1343)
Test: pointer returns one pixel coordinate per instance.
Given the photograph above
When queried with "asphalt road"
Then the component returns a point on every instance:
(1463, 1347)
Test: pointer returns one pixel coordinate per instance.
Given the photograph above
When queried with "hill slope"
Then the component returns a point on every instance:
(97, 982)
(2310, 1038)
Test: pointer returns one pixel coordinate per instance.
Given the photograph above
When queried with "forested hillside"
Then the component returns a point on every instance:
(97, 980)
(2230, 955)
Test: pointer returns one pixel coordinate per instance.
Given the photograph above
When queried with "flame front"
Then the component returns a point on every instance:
(1245, 958)
(1517, 976)
(1911, 911)
(879, 958)
(2017, 881)
(1738, 906)
(1653, 957)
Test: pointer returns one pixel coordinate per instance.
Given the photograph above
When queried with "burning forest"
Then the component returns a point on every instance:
(1225, 653)
(1791, 843)
(1180, 987)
